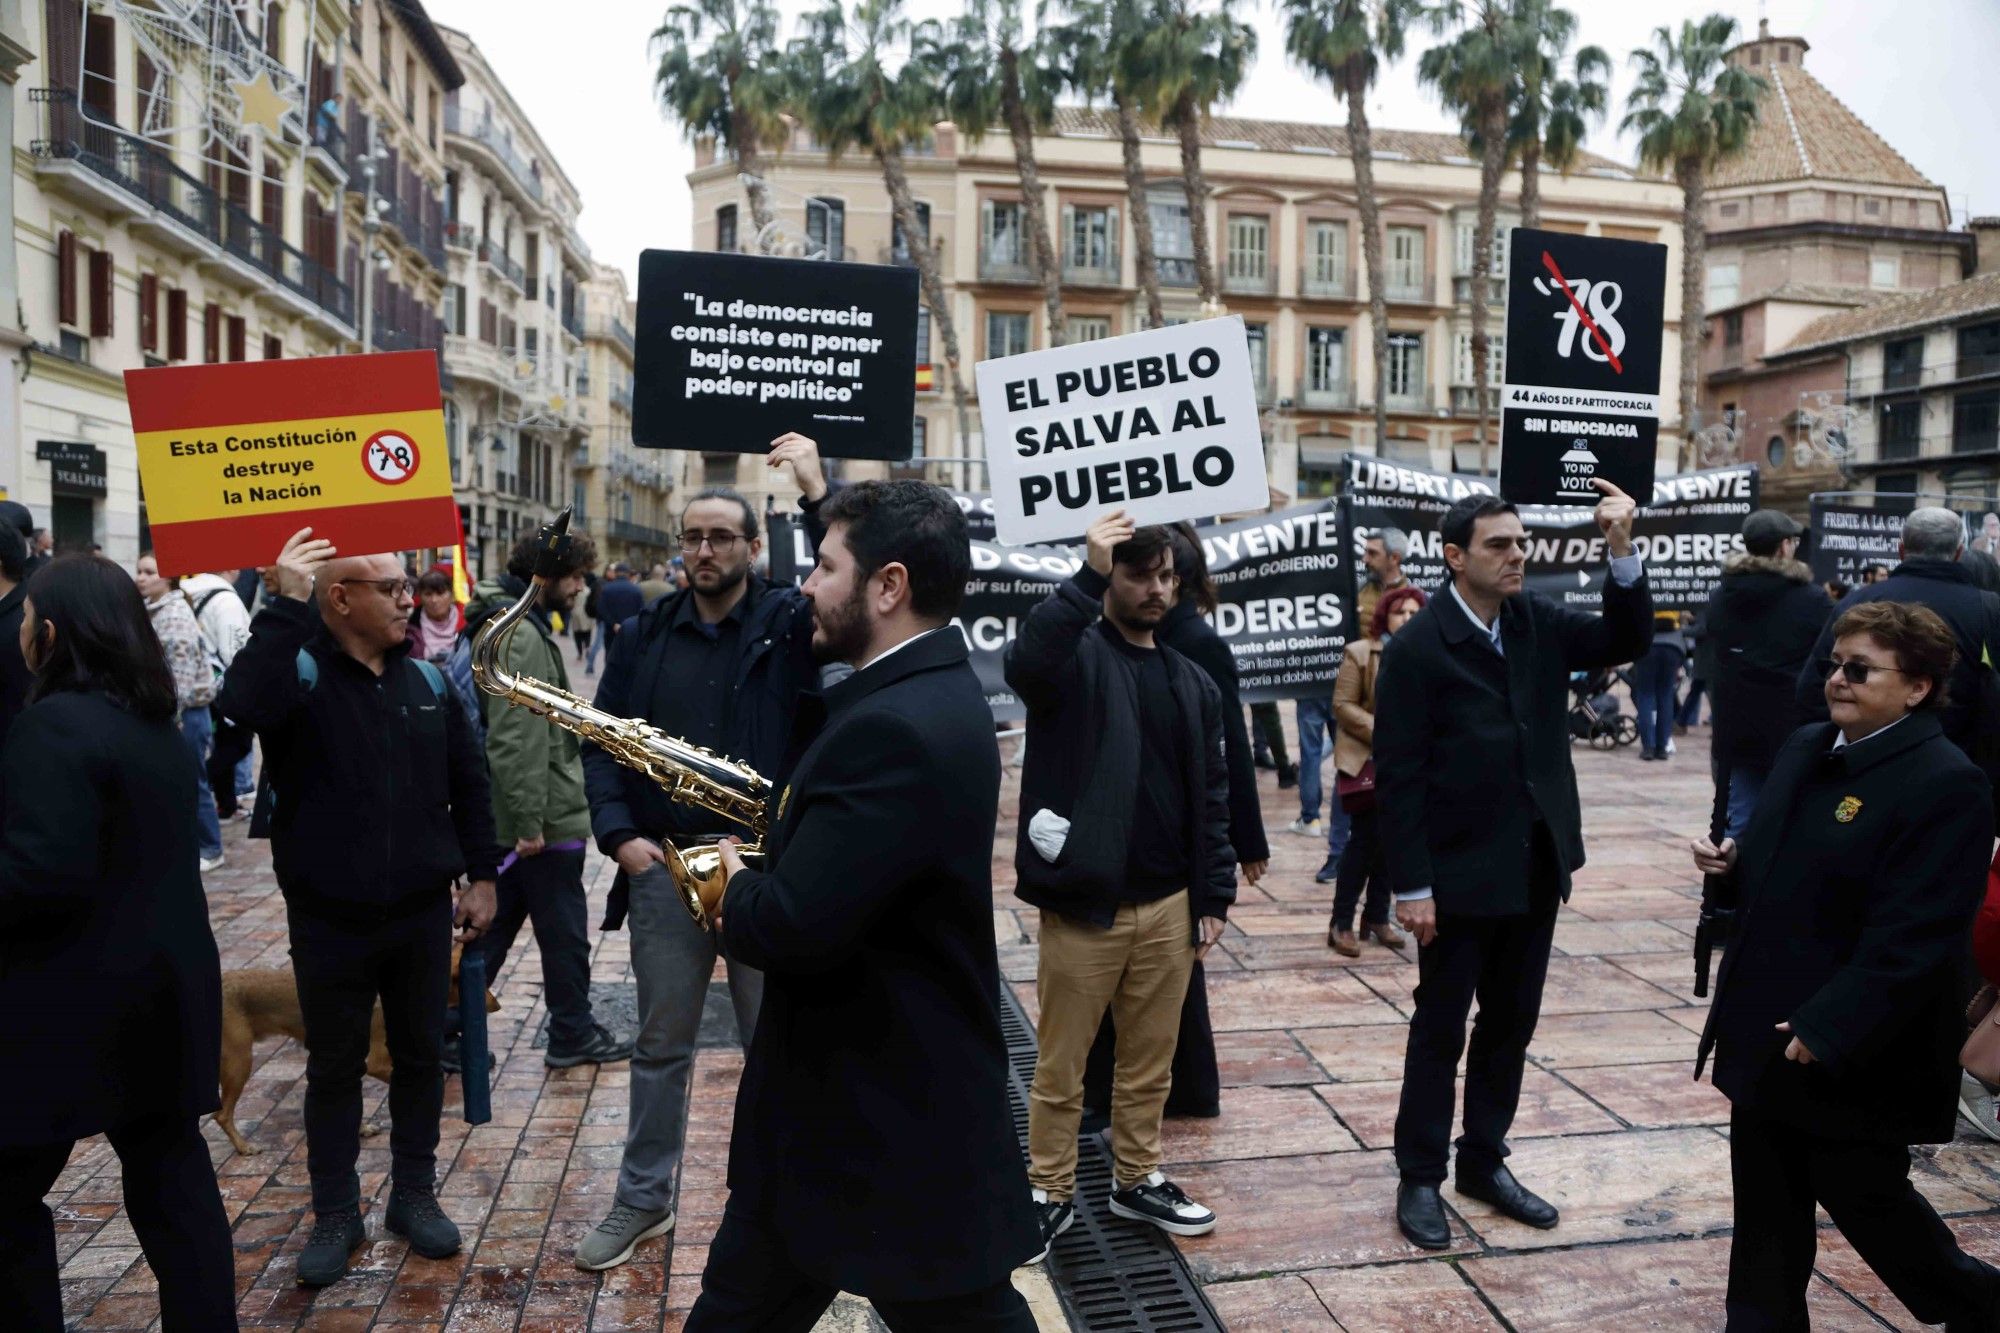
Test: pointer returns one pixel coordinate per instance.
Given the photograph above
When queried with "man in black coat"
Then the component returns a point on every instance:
(1125, 846)
(1762, 621)
(873, 1151)
(15, 678)
(1482, 828)
(1838, 1014)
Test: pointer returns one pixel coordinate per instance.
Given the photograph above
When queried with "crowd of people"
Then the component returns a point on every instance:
(416, 821)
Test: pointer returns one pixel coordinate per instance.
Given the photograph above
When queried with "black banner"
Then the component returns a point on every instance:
(1843, 540)
(735, 350)
(1692, 525)
(1581, 397)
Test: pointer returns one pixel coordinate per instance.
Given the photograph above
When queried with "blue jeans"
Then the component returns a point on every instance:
(1315, 742)
(1745, 786)
(1653, 677)
(596, 646)
(246, 776)
(1691, 706)
(198, 729)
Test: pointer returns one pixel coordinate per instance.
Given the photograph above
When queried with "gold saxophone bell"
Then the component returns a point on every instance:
(687, 773)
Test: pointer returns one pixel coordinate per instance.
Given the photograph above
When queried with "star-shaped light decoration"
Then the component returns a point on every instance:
(263, 105)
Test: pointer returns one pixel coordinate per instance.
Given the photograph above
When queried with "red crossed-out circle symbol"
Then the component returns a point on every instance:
(390, 457)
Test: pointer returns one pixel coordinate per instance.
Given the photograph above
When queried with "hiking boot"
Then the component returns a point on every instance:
(336, 1234)
(612, 1243)
(600, 1048)
(1161, 1202)
(1056, 1216)
(414, 1215)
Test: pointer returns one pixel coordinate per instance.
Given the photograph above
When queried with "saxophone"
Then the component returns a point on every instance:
(689, 774)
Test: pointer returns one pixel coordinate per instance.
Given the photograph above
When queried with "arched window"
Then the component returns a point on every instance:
(1776, 451)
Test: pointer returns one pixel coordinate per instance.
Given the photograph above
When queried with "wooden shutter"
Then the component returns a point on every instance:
(238, 350)
(211, 333)
(274, 350)
(149, 313)
(274, 203)
(177, 325)
(100, 293)
(66, 304)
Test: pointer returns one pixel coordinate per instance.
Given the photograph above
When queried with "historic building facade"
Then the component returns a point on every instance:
(622, 493)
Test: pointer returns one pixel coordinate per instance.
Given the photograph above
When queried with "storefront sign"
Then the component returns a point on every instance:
(74, 468)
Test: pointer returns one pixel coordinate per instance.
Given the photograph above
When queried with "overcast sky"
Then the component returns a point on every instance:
(1919, 71)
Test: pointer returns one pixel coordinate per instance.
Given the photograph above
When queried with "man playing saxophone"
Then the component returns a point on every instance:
(872, 1150)
(720, 664)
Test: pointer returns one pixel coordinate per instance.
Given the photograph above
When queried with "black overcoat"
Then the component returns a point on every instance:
(1853, 930)
(1187, 632)
(110, 986)
(872, 1130)
(1471, 749)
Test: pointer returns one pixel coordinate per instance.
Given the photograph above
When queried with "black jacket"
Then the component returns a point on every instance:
(1083, 750)
(1853, 930)
(872, 1128)
(1946, 587)
(1471, 750)
(1762, 622)
(618, 600)
(382, 798)
(15, 678)
(1187, 632)
(109, 978)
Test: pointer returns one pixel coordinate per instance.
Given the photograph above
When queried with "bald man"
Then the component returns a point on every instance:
(377, 806)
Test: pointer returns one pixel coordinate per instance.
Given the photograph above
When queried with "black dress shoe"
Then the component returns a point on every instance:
(1420, 1213)
(1508, 1195)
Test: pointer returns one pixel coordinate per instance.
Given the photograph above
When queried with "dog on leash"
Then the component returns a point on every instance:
(259, 1002)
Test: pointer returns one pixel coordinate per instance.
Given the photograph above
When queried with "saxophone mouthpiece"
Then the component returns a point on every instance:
(554, 542)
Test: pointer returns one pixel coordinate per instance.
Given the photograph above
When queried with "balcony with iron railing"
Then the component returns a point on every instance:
(1326, 396)
(1177, 272)
(1408, 288)
(1465, 400)
(640, 534)
(1267, 390)
(1461, 290)
(485, 133)
(1091, 271)
(613, 329)
(461, 236)
(1947, 373)
(1248, 275)
(1323, 282)
(1415, 398)
(572, 322)
(1004, 263)
(328, 147)
(621, 396)
(899, 254)
(503, 264)
(406, 216)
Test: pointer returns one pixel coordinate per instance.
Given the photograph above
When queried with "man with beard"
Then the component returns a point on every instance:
(1125, 846)
(873, 1151)
(539, 812)
(720, 664)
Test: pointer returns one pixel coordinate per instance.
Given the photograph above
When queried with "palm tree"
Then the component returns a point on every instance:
(1551, 111)
(1188, 59)
(1345, 43)
(718, 77)
(1097, 50)
(995, 71)
(1691, 109)
(1473, 73)
(856, 85)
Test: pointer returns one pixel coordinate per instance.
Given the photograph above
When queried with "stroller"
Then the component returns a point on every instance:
(1594, 714)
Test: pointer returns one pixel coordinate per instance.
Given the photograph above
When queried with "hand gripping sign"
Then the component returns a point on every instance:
(235, 458)
(1162, 424)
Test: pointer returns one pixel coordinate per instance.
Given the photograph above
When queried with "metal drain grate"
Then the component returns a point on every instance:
(1115, 1276)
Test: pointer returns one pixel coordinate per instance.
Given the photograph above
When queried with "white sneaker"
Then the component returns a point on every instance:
(1975, 1103)
(209, 863)
(1670, 745)
(1307, 828)
(1159, 1201)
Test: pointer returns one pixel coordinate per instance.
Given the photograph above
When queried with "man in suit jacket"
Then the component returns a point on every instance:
(1482, 827)
(873, 1149)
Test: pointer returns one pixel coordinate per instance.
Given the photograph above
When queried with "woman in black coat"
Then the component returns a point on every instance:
(109, 980)
(1838, 1013)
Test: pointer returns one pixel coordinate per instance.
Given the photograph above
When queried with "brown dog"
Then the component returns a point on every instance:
(259, 1002)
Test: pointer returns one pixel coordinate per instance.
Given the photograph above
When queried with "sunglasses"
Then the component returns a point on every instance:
(1855, 671)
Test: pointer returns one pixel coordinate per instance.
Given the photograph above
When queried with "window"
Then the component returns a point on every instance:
(1090, 238)
(1326, 258)
(454, 308)
(1902, 363)
(66, 288)
(1775, 451)
(1496, 359)
(1326, 360)
(1466, 235)
(1173, 241)
(1975, 422)
(1259, 336)
(923, 333)
(274, 348)
(1406, 366)
(1405, 276)
(239, 349)
(1884, 273)
(718, 469)
(149, 313)
(454, 434)
(211, 333)
(826, 227)
(1732, 329)
(725, 229)
(1006, 333)
(531, 345)
(177, 324)
(1724, 283)
(899, 244)
(1248, 257)
(1979, 349)
(1000, 232)
(100, 293)
(1901, 423)
(919, 433)
(1089, 328)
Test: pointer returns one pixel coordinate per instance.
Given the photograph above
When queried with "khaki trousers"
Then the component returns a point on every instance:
(1139, 968)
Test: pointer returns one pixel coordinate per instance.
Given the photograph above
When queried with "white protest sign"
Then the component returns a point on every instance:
(1162, 424)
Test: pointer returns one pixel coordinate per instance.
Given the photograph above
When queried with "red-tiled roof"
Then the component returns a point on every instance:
(1804, 132)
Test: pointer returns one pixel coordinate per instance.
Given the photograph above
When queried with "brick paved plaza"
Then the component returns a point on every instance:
(1611, 1129)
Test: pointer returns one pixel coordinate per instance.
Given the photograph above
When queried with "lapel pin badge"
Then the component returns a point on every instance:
(1849, 807)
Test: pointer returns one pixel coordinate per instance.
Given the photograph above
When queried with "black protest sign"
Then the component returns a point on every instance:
(1689, 528)
(1581, 397)
(735, 350)
(1843, 540)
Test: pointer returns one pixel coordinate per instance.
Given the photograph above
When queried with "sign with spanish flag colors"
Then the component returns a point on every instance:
(233, 459)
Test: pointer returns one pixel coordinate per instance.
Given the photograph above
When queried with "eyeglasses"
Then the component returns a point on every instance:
(1855, 670)
(387, 587)
(722, 543)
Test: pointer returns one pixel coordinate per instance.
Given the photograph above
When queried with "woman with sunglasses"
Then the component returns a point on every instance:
(1839, 1009)
(109, 978)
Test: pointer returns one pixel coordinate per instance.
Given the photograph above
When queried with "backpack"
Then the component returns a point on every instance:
(458, 670)
(215, 661)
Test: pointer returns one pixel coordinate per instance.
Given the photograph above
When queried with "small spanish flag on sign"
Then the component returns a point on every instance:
(926, 378)
(235, 458)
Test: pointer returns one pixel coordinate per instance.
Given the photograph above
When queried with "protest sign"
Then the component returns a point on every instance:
(235, 458)
(1690, 526)
(735, 350)
(1162, 424)
(1581, 392)
(1843, 540)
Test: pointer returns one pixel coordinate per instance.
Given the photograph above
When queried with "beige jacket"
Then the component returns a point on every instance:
(1354, 706)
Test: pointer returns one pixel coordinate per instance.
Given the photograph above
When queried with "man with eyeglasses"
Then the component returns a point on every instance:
(381, 805)
(1482, 830)
(721, 663)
